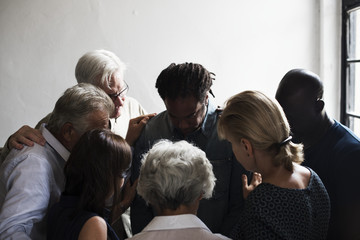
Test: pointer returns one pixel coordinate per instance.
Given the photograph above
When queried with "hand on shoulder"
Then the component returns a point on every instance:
(25, 136)
(136, 125)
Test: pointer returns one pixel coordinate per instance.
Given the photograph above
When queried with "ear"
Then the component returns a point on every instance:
(201, 196)
(67, 132)
(247, 146)
(207, 99)
(319, 105)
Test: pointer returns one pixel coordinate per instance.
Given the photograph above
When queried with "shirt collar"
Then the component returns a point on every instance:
(210, 119)
(54, 143)
(175, 222)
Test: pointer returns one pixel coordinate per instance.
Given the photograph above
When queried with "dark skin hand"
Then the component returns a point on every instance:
(128, 193)
(136, 125)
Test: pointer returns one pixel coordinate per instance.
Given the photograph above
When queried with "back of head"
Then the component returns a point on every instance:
(94, 169)
(183, 80)
(97, 67)
(254, 116)
(75, 106)
(300, 94)
(297, 80)
(174, 174)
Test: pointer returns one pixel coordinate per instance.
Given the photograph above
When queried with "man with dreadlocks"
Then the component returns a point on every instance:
(190, 116)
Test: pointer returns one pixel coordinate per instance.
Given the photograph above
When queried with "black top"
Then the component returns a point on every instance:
(336, 159)
(63, 223)
(272, 212)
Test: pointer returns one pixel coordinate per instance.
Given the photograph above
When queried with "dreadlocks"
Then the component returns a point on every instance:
(182, 80)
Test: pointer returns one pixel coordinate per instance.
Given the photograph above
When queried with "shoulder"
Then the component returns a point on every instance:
(345, 135)
(158, 124)
(157, 127)
(315, 181)
(34, 157)
(211, 236)
(301, 176)
(94, 228)
(131, 100)
(340, 145)
(134, 106)
(201, 233)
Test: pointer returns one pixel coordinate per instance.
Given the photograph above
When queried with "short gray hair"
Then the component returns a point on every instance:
(97, 67)
(75, 106)
(174, 174)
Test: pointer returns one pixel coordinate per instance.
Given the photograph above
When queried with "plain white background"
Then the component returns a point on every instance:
(247, 44)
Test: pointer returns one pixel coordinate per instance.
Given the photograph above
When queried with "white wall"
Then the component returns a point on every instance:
(247, 44)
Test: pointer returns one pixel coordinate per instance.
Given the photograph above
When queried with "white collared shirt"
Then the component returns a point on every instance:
(184, 226)
(31, 181)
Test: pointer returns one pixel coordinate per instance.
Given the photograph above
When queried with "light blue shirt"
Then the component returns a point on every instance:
(31, 181)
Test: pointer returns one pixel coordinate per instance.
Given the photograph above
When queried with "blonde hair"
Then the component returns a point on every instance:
(254, 116)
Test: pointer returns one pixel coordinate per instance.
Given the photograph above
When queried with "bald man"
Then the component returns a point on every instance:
(331, 149)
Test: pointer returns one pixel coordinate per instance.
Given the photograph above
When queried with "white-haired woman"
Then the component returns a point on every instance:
(174, 177)
(291, 202)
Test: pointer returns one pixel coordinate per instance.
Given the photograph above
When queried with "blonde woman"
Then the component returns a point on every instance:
(291, 202)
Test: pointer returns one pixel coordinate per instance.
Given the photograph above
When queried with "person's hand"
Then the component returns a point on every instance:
(128, 195)
(255, 181)
(25, 135)
(135, 127)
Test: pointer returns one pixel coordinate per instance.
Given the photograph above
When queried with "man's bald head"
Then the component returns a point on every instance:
(300, 80)
(300, 94)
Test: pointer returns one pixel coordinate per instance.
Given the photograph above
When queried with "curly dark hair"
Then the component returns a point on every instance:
(183, 80)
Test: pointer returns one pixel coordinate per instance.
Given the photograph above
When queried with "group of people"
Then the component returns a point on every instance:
(261, 168)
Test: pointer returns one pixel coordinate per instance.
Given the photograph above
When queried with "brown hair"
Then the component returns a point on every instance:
(95, 166)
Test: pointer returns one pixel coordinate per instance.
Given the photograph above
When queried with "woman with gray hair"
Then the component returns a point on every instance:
(174, 177)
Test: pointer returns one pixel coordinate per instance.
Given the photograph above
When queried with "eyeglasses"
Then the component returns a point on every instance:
(121, 94)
